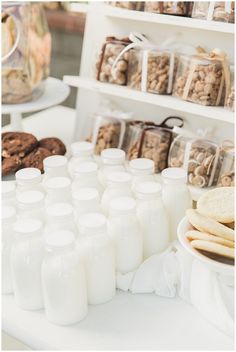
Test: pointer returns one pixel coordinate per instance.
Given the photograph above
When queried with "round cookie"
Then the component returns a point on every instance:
(218, 204)
(213, 248)
(17, 143)
(54, 145)
(10, 165)
(197, 235)
(35, 158)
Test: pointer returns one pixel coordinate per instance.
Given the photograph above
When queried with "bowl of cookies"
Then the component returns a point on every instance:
(207, 232)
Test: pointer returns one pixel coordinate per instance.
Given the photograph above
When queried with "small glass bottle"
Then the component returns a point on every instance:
(58, 189)
(63, 280)
(26, 261)
(142, 170)
(81, 152)
(28, 179)
(153, 218)
(54, 166)
(9, 193)
(8, 236)
(98, 256)
(60, 216)
(30, 205)
(125, 231)
(119, 184)
(176, 196)
(86, 200)
(86, 175)
(113, 159)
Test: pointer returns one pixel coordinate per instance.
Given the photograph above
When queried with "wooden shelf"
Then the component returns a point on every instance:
(165, 101)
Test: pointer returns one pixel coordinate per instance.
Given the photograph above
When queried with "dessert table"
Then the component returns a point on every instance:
(128, 322)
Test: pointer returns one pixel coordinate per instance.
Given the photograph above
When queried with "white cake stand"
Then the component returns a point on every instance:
(55, 92)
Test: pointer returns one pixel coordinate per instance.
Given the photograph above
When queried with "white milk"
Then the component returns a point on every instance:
(55, 166)
(26, 260)
(60, 216)
(153, 218)
(176, 196)
(30, 205)
(9, 193)
(86, 200)
(63, 280)
(98, 256)
(86, 175)
(81, 152)
(112, 160)
(8, 237)
(119, 185)
(125, 231)
(58, 189)
(142, 170)
(29, 179)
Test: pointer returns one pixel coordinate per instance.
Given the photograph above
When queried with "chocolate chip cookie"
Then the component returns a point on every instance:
(17, 143)
(35, 158)
(10, 165)
(54, 145)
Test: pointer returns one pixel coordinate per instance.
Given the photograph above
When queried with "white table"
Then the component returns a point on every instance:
(128, 322)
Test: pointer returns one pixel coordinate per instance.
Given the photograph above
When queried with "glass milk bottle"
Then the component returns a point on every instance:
(86, 175)
(142, 170)
(152, 217)
(81, 152)
(29, 179)
(26, 261)
(125, 231)
(99, 257)
(9, 193)
(86, 200)
(60, 216)
(54, 166)
(63, 280)
(8, 236)
(58, 189)
(118, 185)
(30, 204)
(176, 196)
(112, 159)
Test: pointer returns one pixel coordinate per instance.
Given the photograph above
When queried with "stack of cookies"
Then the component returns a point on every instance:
(213, 222)
(21, 149)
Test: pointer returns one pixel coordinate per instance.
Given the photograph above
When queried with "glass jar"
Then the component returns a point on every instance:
(26, 261)
(8, 237)
(129, 5)
(112, 160)
(30, 205)
(226, 176)
(28, 179)
(125, 232)
(132, 139)
(86, 175)
(99, 258)
(86, 200)
(142, 170)
(60, 216)
(180, 8)
(58, 189)
(222, 11)
(229, 103)
(63, 280)
(55, 166)
(81, 152)
(199, 80)
(176, 197)
(9, 193)
(119, 184)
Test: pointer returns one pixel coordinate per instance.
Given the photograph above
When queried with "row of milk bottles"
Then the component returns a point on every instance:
(67, 233)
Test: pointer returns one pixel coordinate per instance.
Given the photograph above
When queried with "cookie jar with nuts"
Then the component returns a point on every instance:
(222, 11)
(226, 176)
(229, 103)
(132, 138)
(180, 8)
(199, 157)
(200, 79)
(128, 5)
(109, 52)
(26, 47)
(152, 70)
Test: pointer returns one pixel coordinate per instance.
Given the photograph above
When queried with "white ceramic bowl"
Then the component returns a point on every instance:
(184, 226)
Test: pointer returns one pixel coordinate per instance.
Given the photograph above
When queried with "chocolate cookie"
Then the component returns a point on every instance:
(54, 145)
(10, 165)
(17, 143)
(35, 158)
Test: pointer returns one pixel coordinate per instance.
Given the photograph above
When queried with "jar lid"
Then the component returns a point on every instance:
(92, 223)
(142, 166)
(54, 161)
(30, 199)
(8, 189)
(88, 167)
(113, 156)
(58, 239)
(122, 205)
(8, 213)
(28, 175)
(28, 227)
(148, 190)
(82, 149)
(119, 177)
(60, 211)
(174, 175)
(85, 194)
(57, 183)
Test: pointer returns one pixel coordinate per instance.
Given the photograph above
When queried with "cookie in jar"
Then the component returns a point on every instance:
(128, 5)
(226, 175)
(229, 102)
(132, 138)
(179, 8)
(222, 11)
